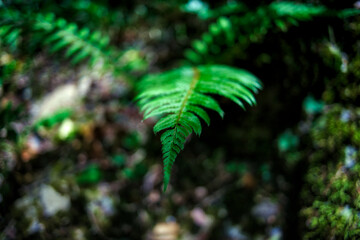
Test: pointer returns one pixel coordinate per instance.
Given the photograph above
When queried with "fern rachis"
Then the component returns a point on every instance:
(182, 94)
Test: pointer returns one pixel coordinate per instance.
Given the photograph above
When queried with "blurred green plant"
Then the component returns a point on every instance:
(231, 28)
(8, 66)
(90, 175)
(236, 167)
(135, 172)
(52, 120)
(287, 141)
(312, 106)
(79, 43)
(132, 141)
(118, 160)
(28, 32)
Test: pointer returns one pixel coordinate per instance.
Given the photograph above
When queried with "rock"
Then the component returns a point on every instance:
(200, 193)
(7, 157)
(345, 115)
(52, 201)
(100, 206)
(346, 212)
(166, 231)
(200, 218)
(235, 233)
(35, 226)
(266, 210)
(350, 156)
(64, 97)
(78, 234)
(275, 233)
(357, 4)
(104, 204)
(26, 208)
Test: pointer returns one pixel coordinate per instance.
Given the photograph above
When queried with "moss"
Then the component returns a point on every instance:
(331, 202)
(331, 192)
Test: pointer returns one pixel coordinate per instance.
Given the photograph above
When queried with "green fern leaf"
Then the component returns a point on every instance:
(180, 96)
(80, 44)
(296, 10)
(252, 26)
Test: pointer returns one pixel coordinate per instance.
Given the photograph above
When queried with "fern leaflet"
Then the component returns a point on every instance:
(10, 29)
(183, 94)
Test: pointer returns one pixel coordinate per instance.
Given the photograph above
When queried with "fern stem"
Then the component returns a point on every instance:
(189, 93)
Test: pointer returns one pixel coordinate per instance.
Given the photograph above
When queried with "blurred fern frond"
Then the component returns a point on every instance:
(38, 30)
(79, 44)
(296, 11)
(208, 44)
(181, 96)
(254, 25)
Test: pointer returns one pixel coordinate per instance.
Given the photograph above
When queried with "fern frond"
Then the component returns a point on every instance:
(222, 28)
(253, 26)
(181, 96)
(79, 44)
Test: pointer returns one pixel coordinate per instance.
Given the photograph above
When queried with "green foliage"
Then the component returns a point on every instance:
(236, 167)
(229, 30)
(94, 14)
(79, 43)
(132, 141)
(10, 29)
(118, 160)
(9, 36)
(90, 175)
(312, 106)
(208, 44)
(7, 67)
(287, 141)
(35, 31)
(54, 119)
(56, 33)
(135, 172)
(183, 94)
(296, 11)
